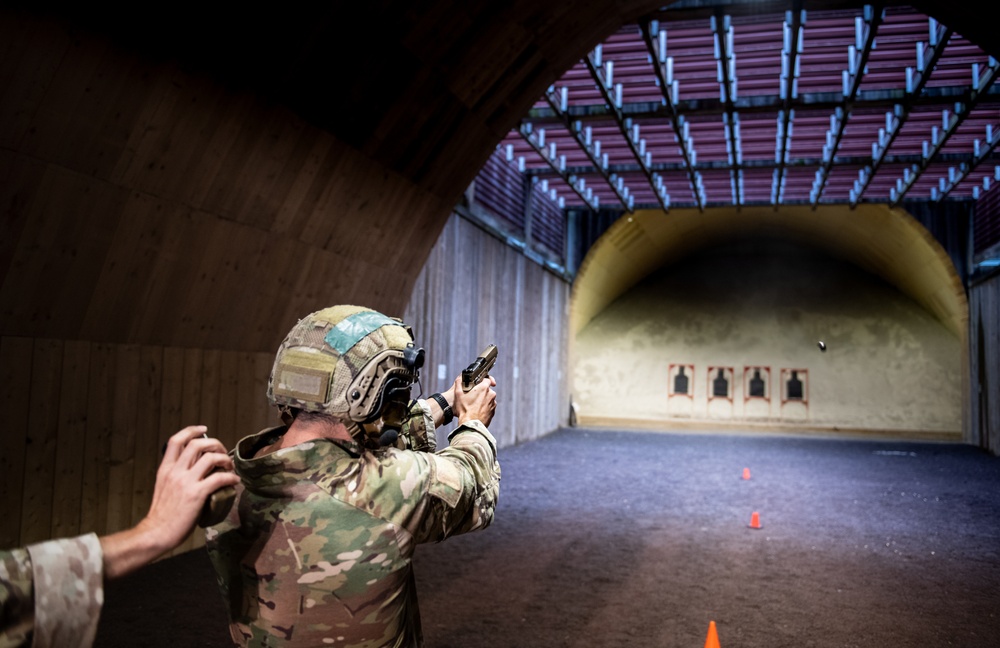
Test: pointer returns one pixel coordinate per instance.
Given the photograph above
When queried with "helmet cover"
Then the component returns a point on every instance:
(342, 361)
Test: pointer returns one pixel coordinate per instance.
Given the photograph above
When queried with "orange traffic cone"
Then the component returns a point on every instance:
(746, 473)
(712, 640)
(755, 520)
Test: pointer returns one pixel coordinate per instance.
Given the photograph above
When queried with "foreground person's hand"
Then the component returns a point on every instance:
(193, 467)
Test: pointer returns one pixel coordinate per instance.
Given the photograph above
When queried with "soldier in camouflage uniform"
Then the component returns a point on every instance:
(317, 550)
(51, 593)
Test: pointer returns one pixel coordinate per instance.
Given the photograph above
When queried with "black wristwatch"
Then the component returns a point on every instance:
(445, 407)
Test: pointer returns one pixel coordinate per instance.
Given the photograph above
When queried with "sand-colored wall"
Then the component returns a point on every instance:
(890, 365)
(887, 242)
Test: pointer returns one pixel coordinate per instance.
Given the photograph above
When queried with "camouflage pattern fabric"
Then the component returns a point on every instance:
(417, 431)
(317, 550)
(17, 598)
(51, 593)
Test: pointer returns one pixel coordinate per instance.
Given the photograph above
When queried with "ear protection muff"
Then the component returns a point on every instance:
(389, 372)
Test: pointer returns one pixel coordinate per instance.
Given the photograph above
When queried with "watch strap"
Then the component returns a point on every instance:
(449, 414)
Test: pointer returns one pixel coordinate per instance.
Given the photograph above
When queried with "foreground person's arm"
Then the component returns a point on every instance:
(51, 593)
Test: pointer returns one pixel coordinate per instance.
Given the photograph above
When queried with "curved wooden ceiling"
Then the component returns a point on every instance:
(172, 171)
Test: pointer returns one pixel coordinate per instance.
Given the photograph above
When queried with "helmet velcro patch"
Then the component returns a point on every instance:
(304, 375)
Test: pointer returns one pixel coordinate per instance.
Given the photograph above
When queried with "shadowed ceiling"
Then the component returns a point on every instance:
(172, 171)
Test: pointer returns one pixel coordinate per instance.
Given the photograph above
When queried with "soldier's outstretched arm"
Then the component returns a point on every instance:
(464, 482)
(51, 593)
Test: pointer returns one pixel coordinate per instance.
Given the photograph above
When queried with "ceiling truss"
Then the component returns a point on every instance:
(619, 130)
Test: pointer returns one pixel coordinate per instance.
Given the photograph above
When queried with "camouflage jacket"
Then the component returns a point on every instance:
(317, 549)
(51, 593)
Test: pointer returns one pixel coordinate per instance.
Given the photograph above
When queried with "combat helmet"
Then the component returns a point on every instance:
(350, 362)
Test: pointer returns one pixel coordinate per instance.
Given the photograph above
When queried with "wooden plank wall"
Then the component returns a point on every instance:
(143, 203)
(984, 364)
(86, 423)
(475, 290)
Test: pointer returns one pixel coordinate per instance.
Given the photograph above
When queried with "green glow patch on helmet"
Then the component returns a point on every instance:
(353, 328)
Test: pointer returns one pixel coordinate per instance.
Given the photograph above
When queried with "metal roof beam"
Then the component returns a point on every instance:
(865, 27)
(536, 139)
(534, 180)
(950, 122)
(583, 136)
(763, 104)
(791, 47)
(990, 155)
(603, 76)
(663, 67)
(725, 60)
(980, 155)
(702, 9)
(986, 182)
(766, 203)
(927, 58)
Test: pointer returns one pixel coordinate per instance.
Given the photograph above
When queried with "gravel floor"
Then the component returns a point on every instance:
(623, 538)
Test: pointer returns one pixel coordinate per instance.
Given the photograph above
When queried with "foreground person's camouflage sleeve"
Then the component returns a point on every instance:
(51, 593)
(317, 551)
(17, 598)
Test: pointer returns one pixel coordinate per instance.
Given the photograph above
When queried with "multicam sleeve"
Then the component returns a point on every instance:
(417, 432)
(17, 598)
(464, 485)
(68, 579)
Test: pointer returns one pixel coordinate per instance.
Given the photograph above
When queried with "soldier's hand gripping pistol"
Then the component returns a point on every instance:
(480, 368)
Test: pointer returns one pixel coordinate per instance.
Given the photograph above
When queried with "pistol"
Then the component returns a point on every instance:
(480, 368)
